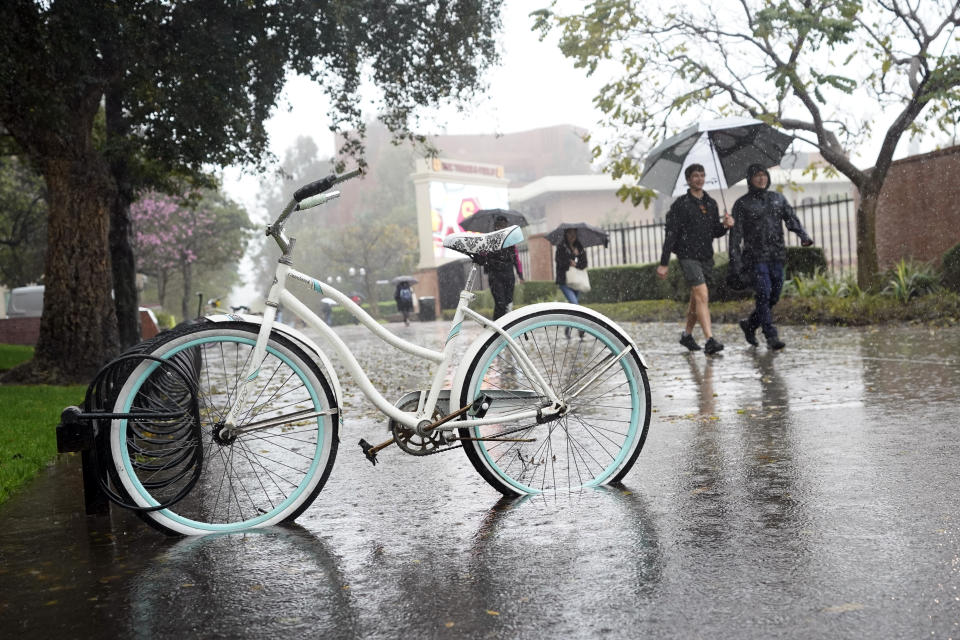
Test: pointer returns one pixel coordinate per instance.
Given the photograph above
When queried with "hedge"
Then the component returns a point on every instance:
(640, 282)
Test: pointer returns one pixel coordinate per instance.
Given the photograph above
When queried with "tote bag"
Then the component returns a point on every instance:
(578, 280)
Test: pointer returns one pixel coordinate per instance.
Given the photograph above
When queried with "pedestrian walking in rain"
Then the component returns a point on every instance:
(403, 296)
(500, 267)
(570, 254)
(693, 221)
(757, 248)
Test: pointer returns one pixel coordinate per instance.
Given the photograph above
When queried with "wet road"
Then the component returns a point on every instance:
(809, 493)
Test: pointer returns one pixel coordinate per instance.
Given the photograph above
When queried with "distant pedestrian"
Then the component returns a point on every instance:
(693, 221)
(403, 295)
(500, 267)
(357, 299)
(757, 247)
(326, 312)
(570, 255)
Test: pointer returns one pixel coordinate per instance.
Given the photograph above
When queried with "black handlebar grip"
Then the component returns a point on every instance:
(314, 188)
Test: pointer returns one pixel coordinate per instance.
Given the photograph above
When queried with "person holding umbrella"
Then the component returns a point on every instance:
(570, 254)
(500, 266)
(693, 221)
(403, 296)
(757, 247)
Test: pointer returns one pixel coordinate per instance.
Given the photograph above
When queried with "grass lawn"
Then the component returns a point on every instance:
(28, 421)
(13, 354)
(28, 436)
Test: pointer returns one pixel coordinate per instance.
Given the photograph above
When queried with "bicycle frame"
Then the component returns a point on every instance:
(415, 420)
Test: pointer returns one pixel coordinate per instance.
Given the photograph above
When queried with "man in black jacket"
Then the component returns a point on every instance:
(692, 223)
(757, 247)
(500, 267)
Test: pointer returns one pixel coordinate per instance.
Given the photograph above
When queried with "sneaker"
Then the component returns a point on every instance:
(712, 346)
(775, 344)
(686, 339)
(748, 335)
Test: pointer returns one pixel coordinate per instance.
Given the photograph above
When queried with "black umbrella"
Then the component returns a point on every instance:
(587, 234)
(725, 148)
(482, 221)
(400, 279)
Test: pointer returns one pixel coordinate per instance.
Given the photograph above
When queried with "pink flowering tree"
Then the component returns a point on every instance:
(176, 235)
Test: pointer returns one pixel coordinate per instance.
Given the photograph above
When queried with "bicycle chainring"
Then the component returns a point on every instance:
(414, 443)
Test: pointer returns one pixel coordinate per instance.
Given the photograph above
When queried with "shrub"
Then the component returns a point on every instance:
(804, 261)
(533, 291)
(951, 268)
(165, 320)
(339, 315)
(633, 282)
(907, 280)
(821, 284)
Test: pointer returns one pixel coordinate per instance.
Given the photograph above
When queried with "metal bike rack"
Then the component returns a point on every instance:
(86, 430)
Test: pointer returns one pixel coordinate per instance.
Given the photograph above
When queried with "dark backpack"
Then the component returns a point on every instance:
(406, 294)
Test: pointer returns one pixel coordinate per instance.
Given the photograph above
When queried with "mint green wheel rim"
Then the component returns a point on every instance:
(293, 498)
(637, 399)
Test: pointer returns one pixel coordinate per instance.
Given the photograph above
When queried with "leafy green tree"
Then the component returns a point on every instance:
(23, 223)
(389, 209)
(375, 250)
(182, 85)
(832, 72)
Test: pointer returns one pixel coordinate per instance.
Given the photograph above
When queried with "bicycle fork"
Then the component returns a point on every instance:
(259, 350)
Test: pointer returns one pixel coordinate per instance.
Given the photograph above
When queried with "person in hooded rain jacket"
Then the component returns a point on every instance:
(757, 247)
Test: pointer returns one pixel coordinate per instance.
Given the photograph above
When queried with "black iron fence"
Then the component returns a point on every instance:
(830, 221)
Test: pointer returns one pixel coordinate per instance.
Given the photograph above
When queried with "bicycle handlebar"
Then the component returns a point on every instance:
(317, 200)
(319, 186)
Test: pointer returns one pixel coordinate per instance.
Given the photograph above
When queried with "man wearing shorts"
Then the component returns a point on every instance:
(692, 223)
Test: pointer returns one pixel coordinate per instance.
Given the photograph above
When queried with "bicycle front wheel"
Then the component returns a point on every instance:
(209, 479)
(596, 373)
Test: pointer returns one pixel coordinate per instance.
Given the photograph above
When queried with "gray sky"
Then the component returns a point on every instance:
(534, 86)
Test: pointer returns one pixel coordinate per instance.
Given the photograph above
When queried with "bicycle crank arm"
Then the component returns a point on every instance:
(370, 451)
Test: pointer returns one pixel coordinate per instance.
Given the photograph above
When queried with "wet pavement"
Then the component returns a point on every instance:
(809, 493)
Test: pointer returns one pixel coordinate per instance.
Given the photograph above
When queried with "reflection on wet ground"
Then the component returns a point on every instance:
(808, 493)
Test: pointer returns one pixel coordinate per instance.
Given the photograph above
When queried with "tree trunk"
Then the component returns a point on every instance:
(78, 329)
(162, 287)
(187, 271)
(867, 260)
(370, 284)
(124, 273)
(122, 261)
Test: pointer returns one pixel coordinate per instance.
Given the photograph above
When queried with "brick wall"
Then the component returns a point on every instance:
(918, 214)
(27, 330)
(541, 258)
(19, 330)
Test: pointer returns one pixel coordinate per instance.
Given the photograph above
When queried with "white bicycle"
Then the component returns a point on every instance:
(239, 417)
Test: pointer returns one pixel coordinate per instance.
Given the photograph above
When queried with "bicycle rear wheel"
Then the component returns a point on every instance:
(259, 477)
(593, 369)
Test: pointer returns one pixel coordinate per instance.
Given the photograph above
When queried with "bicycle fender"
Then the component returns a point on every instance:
(459, 379)
(299, 338)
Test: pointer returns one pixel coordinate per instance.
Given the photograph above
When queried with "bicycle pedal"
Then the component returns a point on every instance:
(369, 451)
(480, 406)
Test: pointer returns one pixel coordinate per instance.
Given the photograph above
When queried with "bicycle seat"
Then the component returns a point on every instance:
(476, 244)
